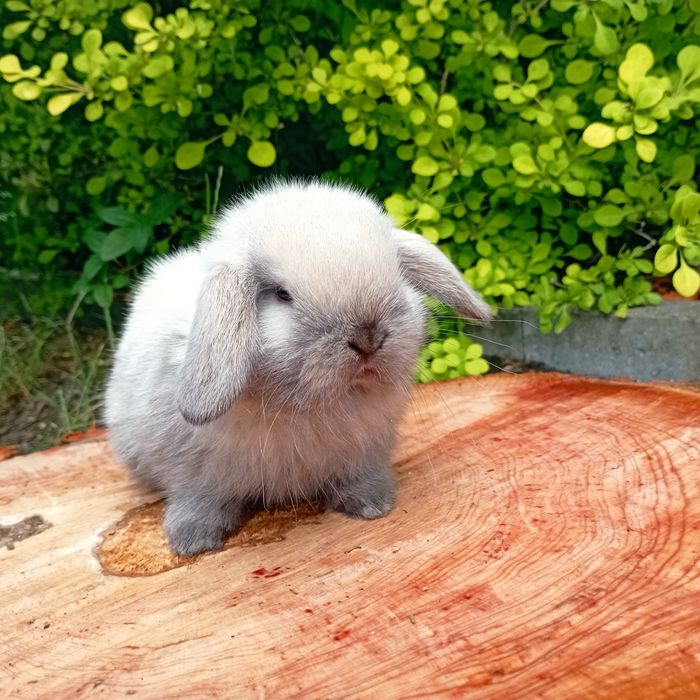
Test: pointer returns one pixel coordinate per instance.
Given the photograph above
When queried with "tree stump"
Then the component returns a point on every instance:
(545, 543)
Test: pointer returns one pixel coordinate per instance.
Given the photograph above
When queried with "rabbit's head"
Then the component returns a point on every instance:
(311, 296)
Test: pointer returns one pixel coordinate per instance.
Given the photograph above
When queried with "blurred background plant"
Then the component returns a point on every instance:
(547, 147)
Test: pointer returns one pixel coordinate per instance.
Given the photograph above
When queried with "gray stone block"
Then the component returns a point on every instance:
(653, 342)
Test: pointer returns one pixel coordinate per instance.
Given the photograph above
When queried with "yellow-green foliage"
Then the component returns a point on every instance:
(548, 147)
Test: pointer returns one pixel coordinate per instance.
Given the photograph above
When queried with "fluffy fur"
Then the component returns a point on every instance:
(223, 392)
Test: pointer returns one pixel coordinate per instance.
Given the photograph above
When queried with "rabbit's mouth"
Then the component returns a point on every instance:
(366, 376)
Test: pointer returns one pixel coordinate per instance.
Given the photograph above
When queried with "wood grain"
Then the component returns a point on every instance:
(545, 544)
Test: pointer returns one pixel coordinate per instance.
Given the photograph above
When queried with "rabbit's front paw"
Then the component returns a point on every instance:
(370, 494)
(193, 526)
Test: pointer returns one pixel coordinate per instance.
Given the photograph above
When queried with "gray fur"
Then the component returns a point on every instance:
(221, 394)
(221, 347)
(196, 522)
(369, 494)
(427, 269)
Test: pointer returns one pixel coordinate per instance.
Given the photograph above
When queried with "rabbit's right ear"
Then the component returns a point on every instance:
(222, 345)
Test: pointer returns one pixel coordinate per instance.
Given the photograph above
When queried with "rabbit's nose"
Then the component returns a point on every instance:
(366, 340)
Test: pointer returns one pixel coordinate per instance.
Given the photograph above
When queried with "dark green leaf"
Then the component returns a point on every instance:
(116, 243)
(163, 207)
(103, 295)
(116, 216)
(92, 266)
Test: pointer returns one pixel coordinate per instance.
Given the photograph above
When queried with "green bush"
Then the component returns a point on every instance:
(547, 147)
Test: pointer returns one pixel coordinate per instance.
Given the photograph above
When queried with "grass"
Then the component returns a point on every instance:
(51, 380)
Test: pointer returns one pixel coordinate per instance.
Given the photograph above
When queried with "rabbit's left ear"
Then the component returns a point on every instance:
(426, 268)
(222, 345)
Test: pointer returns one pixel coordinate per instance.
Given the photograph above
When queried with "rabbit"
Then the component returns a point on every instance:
(272, 362)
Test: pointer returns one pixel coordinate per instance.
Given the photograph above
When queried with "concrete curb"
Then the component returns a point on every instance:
(654, 342)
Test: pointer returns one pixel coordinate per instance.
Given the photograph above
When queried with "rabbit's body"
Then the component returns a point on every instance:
(273, 362)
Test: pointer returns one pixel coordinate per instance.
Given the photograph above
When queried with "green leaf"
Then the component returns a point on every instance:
(581, 252)
(300, 23)
(163, 207)
(578, 72)
(680, 235)
(116, 243)
(103, 295)
(689, 63)
(541, 251)
(598, 135)
(537, 70)
(93, 111)
(525, 165)
(116, 216)
(141, 233)
(503, 92)
(684, 168)
(575, 188)
(638, 61)
(686, 280)
(476, 366)
(59, 61)
(123, 101)
(47, 256)
(119, 83)
(262, 154)
(190, 154)
(484, 248)
(96, 185)
(138, 17)
(26, 90)
(60, 103)
(10, 65)
(91, 267)
(532, 45)
(666, 258)
(151, 157)
(91, 40)
(646, 149)
(604, 38)
(493, 177)
(390, 47)
(157, 66)
(438, 366)
(12, 31)
(608, 215)
(625, 132)
(256, 95)
(649, 95)
(425, 166)
(446, 121)
(474, 351)
(473, 122)
(600, 241)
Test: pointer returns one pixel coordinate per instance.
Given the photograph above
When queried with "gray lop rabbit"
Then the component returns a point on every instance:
(272, 362)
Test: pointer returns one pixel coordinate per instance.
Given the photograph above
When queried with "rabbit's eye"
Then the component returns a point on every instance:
(283, 294)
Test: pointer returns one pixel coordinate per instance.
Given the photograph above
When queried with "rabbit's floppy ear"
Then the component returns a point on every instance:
(221, 347)
(426, 268)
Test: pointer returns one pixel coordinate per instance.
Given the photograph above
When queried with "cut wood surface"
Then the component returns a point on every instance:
(545, 543)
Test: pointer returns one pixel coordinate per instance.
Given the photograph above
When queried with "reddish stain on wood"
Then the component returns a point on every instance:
(545, 544)
(7, 451)
(91, 433)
